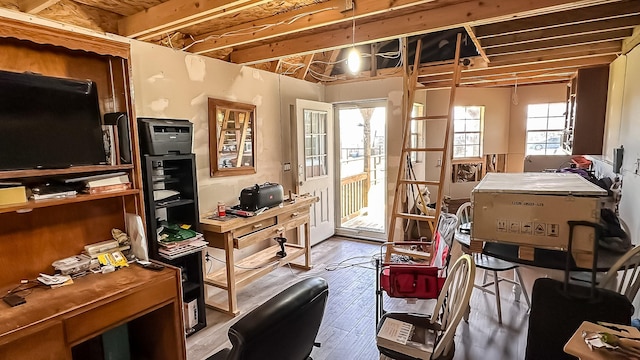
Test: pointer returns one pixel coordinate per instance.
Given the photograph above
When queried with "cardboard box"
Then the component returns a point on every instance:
(191, 314)
(13, 195)
(533, 210)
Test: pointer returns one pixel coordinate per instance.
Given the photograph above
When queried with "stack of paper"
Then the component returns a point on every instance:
(175, 249)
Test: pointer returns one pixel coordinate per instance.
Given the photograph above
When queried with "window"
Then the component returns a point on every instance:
(545, 123)
(467, 131)
(416, 131)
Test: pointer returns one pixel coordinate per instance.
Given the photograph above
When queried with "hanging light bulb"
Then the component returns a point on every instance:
(353, 58)
(353, 61)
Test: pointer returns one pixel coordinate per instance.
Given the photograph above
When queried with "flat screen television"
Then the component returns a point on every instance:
(48, 122)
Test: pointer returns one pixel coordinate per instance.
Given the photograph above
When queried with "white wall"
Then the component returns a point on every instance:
(495, 132)
(175, 84)
(623, 128)
(535, 94)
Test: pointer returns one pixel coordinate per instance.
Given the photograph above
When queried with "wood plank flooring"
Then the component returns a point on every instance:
(348, 328)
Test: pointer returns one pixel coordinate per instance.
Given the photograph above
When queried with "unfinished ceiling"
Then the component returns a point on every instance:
(528, 42)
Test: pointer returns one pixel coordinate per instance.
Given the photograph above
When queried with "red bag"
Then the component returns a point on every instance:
(411, 281)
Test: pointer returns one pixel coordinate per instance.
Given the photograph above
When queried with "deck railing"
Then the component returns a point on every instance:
(353, 192)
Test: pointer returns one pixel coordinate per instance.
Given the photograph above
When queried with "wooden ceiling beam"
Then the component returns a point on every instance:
(476, 42)
(331, 63)
(302, 73)
(446, 17)
(604, 48)
(177, 14)
(35, 6)
(555, 43)
(536, 80)
(594, 27)
(563, 18)
(467, 78)
(306, 18)
(426, 71)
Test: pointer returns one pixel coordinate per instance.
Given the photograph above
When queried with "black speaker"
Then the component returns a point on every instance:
(121, 121)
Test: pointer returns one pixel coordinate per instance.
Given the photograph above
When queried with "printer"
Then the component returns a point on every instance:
(165, 136)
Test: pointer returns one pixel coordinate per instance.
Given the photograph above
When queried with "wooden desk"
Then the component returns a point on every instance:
(53, 321)
(239, 233)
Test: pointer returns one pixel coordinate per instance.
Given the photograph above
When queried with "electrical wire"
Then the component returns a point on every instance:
(258, 28)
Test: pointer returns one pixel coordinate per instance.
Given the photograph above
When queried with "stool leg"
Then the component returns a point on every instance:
(522, 287)
(496, 285)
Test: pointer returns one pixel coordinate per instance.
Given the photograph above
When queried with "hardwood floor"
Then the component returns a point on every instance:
(348, 328)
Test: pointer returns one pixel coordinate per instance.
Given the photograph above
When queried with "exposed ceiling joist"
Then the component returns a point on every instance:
(444, 72)
(307, 18)
(331, 63)
(446, 17)
(604, 48)
(476, 42)
(302, 72)
(564, 18)
(35, 6)
(560, 42)
(594, 27)
(177, 14)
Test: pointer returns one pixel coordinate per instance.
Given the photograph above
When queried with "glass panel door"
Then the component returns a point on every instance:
(362, 158)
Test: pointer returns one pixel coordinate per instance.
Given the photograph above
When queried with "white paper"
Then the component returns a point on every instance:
(135, 229)
(395, 330)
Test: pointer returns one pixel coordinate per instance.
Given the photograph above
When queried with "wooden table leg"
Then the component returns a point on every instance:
(231, 274)
(307, 245)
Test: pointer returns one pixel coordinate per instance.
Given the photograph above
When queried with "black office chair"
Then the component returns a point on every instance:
(283, 328)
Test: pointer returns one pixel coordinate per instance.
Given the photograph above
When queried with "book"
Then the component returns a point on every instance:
(406, 339)
(55, 195)
(13, 195)
(107, 188)
(94, 177)
(114, 180)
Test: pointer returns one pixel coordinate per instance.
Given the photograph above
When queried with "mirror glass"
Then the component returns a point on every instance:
(231, 138)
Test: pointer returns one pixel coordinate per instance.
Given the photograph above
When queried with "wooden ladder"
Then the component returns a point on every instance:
(404, 177)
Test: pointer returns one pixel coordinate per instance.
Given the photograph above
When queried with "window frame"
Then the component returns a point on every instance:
(557, 145)
(480, 133)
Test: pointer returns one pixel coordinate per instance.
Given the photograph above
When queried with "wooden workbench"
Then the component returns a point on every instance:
(240, 233)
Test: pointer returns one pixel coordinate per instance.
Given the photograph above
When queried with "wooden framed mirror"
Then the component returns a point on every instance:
(231, 138)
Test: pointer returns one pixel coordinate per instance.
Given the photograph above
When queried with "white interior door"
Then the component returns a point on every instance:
(314, 168)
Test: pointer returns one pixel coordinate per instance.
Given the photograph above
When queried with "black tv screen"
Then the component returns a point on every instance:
(48, 122)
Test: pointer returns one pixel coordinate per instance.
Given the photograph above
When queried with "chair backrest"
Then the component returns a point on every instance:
(285, 327)
(447, 225)
(464, 213)
(624, 276)
(453, 302)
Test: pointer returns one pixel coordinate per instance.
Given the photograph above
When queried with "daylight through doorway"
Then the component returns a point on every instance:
(362, 159)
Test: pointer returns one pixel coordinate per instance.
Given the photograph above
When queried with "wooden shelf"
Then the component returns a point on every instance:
(34, 204)
(161, 205)
(12, 174)
(254, 266)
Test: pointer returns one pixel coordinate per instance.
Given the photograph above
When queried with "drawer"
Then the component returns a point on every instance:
(293, 215)
(94, 321)
(296, 221)
(254, 226)
(257, 236)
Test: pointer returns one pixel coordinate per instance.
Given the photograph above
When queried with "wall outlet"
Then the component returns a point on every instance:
(439, 162)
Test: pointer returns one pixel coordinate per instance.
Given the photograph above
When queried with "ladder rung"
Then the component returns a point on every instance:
(431, 117)
(416, 217)
(423, 149)
(420, 182)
